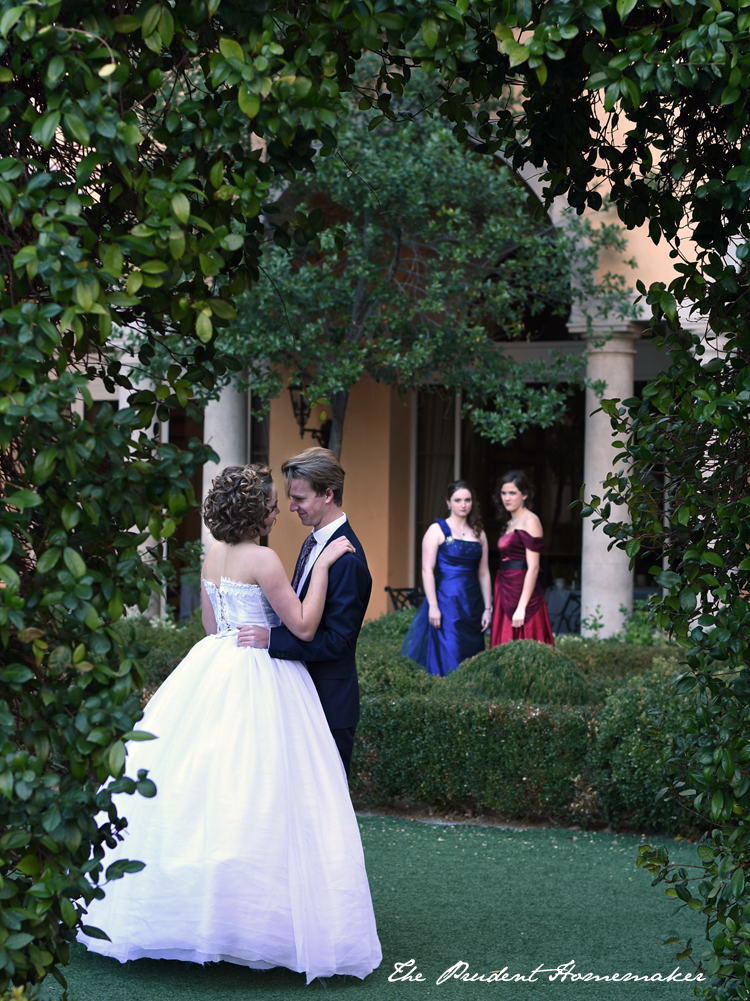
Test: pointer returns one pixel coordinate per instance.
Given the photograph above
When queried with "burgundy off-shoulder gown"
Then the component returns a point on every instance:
(508, 588)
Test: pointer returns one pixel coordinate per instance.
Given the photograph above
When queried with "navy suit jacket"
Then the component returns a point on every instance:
(330, 655)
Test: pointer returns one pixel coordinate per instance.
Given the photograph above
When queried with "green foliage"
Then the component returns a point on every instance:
(601, 663)
(635, 735)
(639, 627)
(593, 624)
(380, 666)
(524, 670)
(161, 643)
(86, 493)
(25, 993)
(427, 254)
(463, 747)
(519, 760)
(387, 632)
(604, 663)
(693, 421)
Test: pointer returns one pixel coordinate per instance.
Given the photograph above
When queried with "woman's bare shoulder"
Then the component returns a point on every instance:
(213, 564)
(434, 533)
(533, 525)
(267, 557)
(247, 561)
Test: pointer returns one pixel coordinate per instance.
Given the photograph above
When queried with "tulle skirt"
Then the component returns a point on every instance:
(251, 845)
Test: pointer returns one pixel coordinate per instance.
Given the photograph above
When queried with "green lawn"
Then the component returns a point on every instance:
(484, 896)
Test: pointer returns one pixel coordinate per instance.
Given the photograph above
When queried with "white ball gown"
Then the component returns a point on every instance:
(251, 845)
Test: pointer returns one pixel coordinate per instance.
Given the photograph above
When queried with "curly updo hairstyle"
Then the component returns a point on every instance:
(474, 520)
(238, 503)
(519, 480)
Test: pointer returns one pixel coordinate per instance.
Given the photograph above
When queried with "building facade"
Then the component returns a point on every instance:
(399, 455)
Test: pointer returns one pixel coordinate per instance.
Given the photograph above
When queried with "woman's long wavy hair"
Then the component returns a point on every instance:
(238, 503)
(518, 479)
(474, 521)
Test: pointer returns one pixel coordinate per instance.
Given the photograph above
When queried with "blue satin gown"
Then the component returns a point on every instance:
(460, 601)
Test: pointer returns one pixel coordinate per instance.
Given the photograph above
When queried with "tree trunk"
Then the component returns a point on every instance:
(338, 412)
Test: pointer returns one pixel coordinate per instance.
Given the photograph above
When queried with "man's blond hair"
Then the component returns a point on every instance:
(322, 470)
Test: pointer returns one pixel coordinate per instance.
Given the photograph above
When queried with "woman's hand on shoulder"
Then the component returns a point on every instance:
(334, 551)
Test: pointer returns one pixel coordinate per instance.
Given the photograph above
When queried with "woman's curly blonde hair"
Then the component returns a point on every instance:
(238, 503)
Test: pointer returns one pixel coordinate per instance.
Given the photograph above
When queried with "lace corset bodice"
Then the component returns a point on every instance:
(236, 604)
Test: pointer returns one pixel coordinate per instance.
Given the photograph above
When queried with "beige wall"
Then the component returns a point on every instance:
(375, 455)
(653, 263)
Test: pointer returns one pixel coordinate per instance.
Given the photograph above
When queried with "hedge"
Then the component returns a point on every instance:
(525, 670)
(557, 763)
(516, 759)
(625, 769)
(605, 662)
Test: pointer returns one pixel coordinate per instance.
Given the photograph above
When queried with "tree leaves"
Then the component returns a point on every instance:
(44, 128)
(249, 102)
(181, 207)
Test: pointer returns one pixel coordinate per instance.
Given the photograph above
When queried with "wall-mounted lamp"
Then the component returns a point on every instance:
(301, 409)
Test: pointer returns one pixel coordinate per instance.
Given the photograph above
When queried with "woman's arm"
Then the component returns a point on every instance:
(485, 582)
(207, 613)
(432, 539)
(301, 618)
(532, 562)
(533, 526)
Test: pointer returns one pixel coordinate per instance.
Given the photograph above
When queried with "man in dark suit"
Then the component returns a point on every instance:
(315, 486)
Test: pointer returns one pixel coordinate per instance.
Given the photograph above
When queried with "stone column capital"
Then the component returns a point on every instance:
(608, 337)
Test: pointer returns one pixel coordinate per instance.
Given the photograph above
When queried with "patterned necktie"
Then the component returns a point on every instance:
(304, 556)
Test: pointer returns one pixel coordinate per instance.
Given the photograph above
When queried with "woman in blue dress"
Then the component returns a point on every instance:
(457, 609)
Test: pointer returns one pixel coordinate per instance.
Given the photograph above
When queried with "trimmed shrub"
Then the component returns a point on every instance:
(640, 716)
(520, 760)
(388, 631)
(380, 666)
(525, 670)
(601, 663)
(604, 662)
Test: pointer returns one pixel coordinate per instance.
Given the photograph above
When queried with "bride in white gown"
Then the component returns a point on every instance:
(251, 845)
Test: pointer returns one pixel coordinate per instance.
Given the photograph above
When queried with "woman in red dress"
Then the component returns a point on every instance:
(520, 612)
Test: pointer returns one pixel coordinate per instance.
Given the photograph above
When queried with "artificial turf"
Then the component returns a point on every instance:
(492, 898)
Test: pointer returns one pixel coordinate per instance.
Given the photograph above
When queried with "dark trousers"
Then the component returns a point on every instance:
(345, 742)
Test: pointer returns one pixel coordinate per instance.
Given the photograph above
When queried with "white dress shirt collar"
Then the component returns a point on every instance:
(322, 536)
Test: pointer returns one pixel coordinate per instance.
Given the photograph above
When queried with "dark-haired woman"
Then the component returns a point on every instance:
(450, 624)
(520, 612)
(251, 846)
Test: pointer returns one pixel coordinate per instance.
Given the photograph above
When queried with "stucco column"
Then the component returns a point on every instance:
(225, 430)
(606, 580)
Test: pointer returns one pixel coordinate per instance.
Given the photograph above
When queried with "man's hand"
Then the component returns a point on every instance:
(255, 636)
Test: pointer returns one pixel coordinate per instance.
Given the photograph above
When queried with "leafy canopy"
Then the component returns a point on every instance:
(429, 258)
